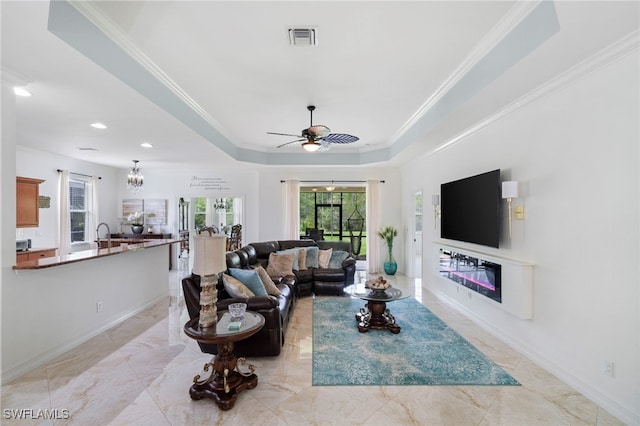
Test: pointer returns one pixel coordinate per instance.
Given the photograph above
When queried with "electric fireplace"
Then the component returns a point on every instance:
(479, 275)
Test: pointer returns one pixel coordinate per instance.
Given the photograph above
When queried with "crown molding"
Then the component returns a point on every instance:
(496, 35)
(603, 58)
(118, 36)
(13, 77)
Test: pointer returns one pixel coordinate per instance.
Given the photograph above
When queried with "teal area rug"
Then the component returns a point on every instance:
(425, 352)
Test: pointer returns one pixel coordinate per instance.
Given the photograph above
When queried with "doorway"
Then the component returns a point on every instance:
(329, 218)
(417, 235)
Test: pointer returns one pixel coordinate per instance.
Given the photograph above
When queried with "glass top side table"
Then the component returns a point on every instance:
(226, 380)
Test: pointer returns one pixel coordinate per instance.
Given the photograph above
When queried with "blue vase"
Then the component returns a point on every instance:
(390, 268)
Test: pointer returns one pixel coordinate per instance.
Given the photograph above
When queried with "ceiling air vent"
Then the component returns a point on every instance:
(303, 36)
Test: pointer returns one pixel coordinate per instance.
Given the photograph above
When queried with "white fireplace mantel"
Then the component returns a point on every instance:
(517, 280)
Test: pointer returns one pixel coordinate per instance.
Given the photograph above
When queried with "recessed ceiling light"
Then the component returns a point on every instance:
(146, 145)
(83, 148)
(21, 91)
(98, 125)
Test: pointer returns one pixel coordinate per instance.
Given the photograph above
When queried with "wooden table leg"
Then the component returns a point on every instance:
(375, 315)
(226, 380)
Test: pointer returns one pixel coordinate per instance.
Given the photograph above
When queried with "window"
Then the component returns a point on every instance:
(200, 212)
(79, 209)
(418, 212)
(335, 214)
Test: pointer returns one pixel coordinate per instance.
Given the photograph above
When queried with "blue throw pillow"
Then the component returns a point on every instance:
(295, 266)
(250, 278)
(312, 257)
(337, 257)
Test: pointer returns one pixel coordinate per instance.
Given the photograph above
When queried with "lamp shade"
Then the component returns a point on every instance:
(311, 146)
(209, 254)
(435, 200)
(510, 189)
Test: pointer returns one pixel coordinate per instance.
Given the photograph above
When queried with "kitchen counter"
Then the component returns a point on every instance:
(91, 254)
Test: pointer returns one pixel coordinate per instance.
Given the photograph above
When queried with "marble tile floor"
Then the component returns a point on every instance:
(139, 373)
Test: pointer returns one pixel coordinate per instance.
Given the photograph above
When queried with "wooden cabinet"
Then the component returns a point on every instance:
(34, 255)
(27, 211)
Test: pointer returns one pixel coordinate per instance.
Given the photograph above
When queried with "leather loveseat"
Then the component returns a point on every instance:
(276, 311)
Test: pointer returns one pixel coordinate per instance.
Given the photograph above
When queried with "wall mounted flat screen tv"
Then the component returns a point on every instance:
(470, 209)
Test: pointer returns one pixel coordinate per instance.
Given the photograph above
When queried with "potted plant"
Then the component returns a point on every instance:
(388, 233)
(137, 222)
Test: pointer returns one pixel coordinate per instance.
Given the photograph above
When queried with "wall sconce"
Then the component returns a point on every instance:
(510, 191)
(435, 201)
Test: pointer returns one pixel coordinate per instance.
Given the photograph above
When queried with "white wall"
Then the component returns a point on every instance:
(216, 182)
(576, 152)
(43, 165)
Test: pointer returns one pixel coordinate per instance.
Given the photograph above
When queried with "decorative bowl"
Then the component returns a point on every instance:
(378, 284)
(237, 310)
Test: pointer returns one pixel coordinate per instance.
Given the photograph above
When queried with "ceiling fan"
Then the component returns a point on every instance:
(317, 138)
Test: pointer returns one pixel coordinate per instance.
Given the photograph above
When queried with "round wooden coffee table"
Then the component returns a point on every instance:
(375, 314)
(226, 381)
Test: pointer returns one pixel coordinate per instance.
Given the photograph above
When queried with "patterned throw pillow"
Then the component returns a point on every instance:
(268, 283)
(337, 257)
(311, 260)
(280, 264)
(251, 279)
(324, 256)
(302, 259)
(295, 265)
(235, 288)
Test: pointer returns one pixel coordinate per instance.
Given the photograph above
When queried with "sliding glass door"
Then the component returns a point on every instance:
(334, 213)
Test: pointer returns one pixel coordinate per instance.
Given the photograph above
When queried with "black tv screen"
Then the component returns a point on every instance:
(470, 209)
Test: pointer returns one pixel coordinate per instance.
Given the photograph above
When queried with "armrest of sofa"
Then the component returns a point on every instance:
(349, 266)
(289, 280)
(348, 262)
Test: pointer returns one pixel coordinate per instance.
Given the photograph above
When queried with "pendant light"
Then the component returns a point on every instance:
(135, 180)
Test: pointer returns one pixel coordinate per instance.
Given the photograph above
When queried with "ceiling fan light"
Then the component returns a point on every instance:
(311, 146)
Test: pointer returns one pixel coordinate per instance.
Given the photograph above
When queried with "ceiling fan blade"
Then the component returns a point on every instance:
(290, 143)
(340, 138)
(284, 134)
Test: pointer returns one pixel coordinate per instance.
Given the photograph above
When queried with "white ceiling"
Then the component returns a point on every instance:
(203, 81)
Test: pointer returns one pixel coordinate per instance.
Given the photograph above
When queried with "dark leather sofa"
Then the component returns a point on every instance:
(312, 280)
(276, 310)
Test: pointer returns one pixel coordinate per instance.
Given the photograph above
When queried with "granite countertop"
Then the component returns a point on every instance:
(80, 256)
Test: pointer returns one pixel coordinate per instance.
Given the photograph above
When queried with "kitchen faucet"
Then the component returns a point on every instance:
(108, 235)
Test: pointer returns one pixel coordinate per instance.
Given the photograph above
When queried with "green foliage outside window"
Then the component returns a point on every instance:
(330, 212)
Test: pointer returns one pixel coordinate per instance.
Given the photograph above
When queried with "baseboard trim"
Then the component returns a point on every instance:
(593, 394)
(15, 372)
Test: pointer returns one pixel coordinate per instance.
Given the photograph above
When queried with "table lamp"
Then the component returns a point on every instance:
(209, 260)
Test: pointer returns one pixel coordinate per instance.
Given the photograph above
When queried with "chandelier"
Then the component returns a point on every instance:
(135, 180)
(221, 204)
